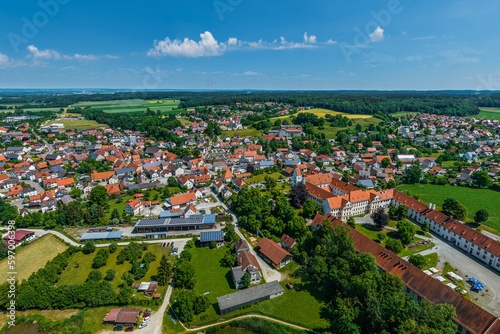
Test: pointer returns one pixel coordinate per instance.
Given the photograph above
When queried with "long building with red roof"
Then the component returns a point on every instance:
(343, 201)
(470, 317)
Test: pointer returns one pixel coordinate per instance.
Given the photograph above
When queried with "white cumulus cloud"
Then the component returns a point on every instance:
(45, 54)
(309, 39)
(377, 35)
(207, 46)
(4, 60)
(53, 54)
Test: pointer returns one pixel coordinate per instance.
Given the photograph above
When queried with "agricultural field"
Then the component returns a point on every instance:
(34, 109)
(489, 113)
(323, 112)
(80, 266)
(132, 106)
(301, 306)
(78, 124)
(33, 257)
(473, 199)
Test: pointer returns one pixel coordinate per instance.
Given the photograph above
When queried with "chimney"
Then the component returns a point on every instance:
(430, 205)
(433, 206)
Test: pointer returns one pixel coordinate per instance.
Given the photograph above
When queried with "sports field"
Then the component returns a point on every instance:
(135, 105)
(32, 257)
(473, 199)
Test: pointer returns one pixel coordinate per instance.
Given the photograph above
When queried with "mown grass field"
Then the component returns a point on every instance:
(473, 199)
(80, 266)
(489, 113)
(133, 105)
(301, 306)
(78, 124)
(33, 257)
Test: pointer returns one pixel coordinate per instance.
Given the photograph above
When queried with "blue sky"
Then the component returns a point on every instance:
(250, 44)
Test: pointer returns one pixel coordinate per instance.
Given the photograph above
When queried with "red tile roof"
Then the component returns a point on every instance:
(272, 250)
(469, 315)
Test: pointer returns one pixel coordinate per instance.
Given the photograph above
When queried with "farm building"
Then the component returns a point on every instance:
(237, 300)
(206, 238)
(15, 238)
(155, 227)
(122, 316)
(101, 236)
(273, 253)
(149, 288)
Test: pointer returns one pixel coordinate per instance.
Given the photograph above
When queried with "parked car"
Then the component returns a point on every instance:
(141, 326)
(146, 314)
(145, 319)
(148, 310)
(129, 329)
(172, 244)
(118, 328)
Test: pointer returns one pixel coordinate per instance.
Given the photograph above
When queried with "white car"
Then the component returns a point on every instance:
(141, 326)
(145, 319)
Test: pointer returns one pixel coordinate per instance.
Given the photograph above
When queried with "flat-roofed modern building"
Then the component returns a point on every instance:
(194, 222)
(237, 300)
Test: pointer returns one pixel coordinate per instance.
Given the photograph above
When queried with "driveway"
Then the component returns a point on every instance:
(467, 266)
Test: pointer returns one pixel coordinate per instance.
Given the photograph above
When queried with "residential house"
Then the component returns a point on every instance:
(134, 206)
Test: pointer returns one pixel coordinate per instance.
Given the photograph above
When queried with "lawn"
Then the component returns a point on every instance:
(371, 231)
(33, 257)
(301, 306)
(80, 266)
(261, 177)
(210, 276)
(242, 133)
(431, 261)
(78, 124)
(404, 113)
(133, 105)
(473, 199)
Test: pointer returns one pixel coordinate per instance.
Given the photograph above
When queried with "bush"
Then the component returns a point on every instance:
(394, 245)
(110, 275)
(88, 248)
(417, 260)
(100, 259)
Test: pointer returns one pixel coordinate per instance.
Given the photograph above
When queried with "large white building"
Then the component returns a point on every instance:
(343, 200)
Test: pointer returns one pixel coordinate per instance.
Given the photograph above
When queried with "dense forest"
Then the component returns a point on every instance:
(156, 127)
(365, 102)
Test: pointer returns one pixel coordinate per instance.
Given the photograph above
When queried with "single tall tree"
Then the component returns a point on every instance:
(380, 218)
